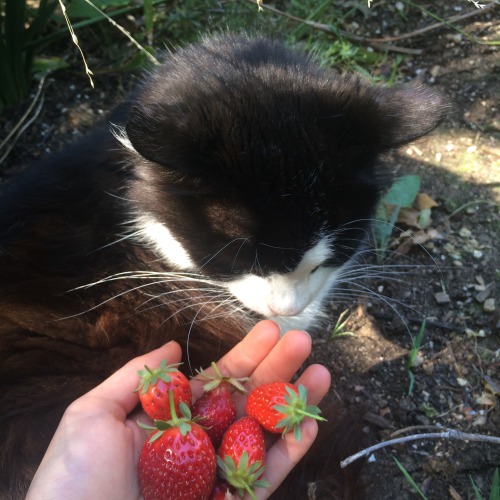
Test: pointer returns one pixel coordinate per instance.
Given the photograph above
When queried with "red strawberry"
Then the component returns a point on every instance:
(215, 409)
(178, 461)
(155, 386)
(280, 407)
(222, 490)
(242, 456)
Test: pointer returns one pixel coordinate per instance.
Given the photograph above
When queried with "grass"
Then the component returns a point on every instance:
(26, 31)
(340, 330)
(494, 488)
(494, 493)
(410, 480)
(20, 27)
(412, 356)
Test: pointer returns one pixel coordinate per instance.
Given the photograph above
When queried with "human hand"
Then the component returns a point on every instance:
(95, 449)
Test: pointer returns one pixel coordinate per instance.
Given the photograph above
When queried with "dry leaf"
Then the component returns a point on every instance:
(425, 201)
(409, 217)
(454, 493)
(485, 400)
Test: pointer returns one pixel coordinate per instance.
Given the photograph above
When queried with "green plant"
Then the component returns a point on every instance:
(416, 344)
(21, 26)
(25, 29)
(494, 490)
(429, 410)
(410, 480)
(401, 194)
(339, 329)
(330, 48)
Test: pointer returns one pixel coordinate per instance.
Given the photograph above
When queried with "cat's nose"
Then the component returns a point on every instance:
(287, 299)
(284, 310)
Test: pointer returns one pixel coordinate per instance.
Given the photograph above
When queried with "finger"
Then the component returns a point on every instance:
(245, 357)
(284, 359)
(280, 365)
(317, 380)
(119, 387)
(284, 455)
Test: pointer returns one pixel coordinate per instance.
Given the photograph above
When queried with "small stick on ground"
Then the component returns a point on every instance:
(446, 434)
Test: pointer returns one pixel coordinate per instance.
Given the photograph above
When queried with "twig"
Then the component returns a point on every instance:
(470, 203)
(452, 19)
(339, 32)
(23, 122)
(382, 43)
(446, 434)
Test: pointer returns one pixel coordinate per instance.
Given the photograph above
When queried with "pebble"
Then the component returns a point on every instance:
(489, 305)
(477, 254)
(465, 232)
(442, 298)
(484, 292)
(407, 405)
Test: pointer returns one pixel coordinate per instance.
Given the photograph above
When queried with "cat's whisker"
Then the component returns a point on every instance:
(238, 252)
(206, 262)
(206, 317)
(173, 277)
(115, 242)
(188, 298)
(389, 301)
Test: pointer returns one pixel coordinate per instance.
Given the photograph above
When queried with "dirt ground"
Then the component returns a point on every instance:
(451, 279)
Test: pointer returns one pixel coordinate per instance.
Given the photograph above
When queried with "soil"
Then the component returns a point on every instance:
(447, 273)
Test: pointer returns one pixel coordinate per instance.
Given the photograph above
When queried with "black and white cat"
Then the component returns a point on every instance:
(236, 183)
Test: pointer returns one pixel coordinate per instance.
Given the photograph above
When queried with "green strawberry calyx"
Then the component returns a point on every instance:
(183, 423)
(243, 477)
(214, 381)
(150, 377)
(295, 410)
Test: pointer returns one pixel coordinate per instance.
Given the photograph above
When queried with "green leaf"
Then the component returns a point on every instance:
(82, 10)
(476, 489)
(495, 486)
(403, 192)
(297, 432)
(424, 218)
(410, 480)
(43, 65)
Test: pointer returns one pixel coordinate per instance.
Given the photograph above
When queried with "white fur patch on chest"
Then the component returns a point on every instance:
(292, 299)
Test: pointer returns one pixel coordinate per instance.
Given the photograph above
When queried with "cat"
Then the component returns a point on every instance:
(236, 183)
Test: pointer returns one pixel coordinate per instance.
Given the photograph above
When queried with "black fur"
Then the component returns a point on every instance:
(243, 148)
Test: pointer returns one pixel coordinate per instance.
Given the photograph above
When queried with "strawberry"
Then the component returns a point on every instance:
(241, 456)
(178, 461)
(155, 386)
(280, 407)
(215, 409)
(222, 490)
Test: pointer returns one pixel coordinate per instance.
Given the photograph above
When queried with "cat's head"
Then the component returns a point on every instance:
(258, 169)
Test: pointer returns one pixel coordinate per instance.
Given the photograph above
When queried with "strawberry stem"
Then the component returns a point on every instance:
(249, 491)
(216, 380)
(295, 410)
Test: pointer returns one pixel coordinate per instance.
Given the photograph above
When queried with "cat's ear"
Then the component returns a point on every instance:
(162, 133)
(409, 113)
